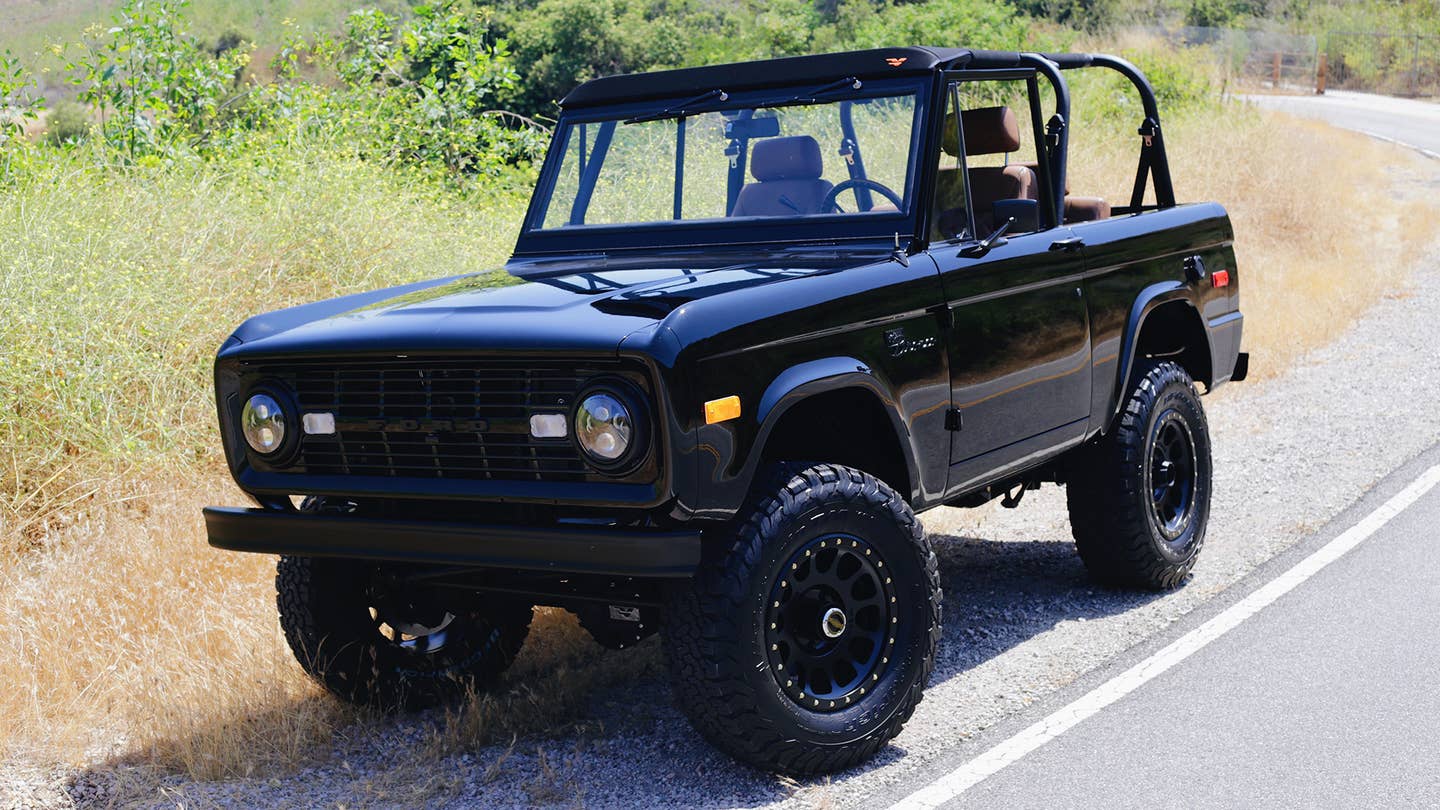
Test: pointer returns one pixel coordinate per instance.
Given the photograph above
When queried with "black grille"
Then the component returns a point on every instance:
(438, 418)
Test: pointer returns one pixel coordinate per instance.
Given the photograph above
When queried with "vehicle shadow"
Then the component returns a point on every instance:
(1000, 594)
(615, 739)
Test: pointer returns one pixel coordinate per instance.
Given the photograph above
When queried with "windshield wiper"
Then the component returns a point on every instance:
(847, 83)
(681, 110)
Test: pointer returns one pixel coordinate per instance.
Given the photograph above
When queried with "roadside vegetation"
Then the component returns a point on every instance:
(196, 166)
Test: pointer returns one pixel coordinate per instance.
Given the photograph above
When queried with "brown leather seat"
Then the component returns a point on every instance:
(1086, 209)
(988, 131)
(787, 171)
(987, 185)
(1080, 209)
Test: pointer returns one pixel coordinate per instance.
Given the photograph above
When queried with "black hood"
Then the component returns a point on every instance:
(567, 309)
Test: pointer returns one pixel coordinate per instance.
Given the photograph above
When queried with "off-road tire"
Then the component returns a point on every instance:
(1111, 486)
(716, 626)
(326, 612)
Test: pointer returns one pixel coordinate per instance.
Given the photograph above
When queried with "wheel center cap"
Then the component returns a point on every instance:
(1167, 473)
(832, 624)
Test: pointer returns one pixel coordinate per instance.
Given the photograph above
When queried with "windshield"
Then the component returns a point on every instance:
(830, 152)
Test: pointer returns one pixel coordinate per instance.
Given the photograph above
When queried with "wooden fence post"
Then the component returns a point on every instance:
(1276, 81)
(1320, 76)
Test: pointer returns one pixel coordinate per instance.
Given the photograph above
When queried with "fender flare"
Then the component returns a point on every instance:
(1150, 299)
(804, 380)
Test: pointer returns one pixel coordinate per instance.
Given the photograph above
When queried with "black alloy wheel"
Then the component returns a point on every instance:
(1172, 475)
(1139, 496)
(830, 624)
(804, 641)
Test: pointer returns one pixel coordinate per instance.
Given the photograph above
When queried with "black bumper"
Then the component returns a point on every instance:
(569, 549)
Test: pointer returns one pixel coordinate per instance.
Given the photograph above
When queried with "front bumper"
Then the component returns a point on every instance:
(575, 549)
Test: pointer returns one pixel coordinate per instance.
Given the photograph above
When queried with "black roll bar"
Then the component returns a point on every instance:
(1057, 129)
(1153, 160)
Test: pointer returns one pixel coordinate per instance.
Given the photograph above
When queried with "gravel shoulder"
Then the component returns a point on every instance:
(1021, 618)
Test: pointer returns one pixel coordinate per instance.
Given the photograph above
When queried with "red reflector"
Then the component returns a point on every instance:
(1220, 278)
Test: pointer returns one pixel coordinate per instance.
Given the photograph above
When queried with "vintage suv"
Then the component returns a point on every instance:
(768, 313)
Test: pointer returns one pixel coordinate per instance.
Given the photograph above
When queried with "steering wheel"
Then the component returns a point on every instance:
(828, 205)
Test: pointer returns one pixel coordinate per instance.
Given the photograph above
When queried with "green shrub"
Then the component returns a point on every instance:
(561, 43)
(433, 91)
(157, 90)
(19, 105)
(68, 123)
(967, 23)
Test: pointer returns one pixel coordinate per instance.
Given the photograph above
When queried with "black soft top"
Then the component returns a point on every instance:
(775, 72)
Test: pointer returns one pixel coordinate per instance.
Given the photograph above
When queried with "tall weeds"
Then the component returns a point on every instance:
(117, 287)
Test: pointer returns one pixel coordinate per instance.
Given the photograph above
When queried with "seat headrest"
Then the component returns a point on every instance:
(793, 158)
(988, 131)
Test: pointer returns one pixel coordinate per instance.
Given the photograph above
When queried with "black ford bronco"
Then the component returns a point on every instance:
(769, 312)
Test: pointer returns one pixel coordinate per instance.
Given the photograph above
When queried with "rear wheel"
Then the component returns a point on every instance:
(373, 642)
(804, 642)
(1140, 497)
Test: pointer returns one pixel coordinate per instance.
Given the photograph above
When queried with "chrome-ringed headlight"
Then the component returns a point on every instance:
(267, 424)
(610, 426)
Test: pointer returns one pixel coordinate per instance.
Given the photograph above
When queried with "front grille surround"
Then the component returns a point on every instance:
(440, 418)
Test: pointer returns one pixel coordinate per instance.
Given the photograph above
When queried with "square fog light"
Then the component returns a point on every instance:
(319, 424)
(549, 426)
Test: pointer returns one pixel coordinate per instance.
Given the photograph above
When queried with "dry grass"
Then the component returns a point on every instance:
(130, 628)
(140, 645)
(1323, 223)
(134, 645)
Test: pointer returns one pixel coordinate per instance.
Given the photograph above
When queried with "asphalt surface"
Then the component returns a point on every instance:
(1414, 123)
(1326, 698)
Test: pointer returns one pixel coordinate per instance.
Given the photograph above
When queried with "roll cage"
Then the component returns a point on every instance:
(1152, 165)
(667, 93)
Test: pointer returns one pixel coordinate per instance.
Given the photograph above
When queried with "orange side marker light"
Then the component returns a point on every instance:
(722, 410)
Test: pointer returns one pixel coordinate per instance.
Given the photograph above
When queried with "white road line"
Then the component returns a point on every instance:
(956, 782)
(1422, 150)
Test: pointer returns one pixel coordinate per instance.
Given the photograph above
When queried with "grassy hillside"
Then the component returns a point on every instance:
(121, 271)
(28, 27)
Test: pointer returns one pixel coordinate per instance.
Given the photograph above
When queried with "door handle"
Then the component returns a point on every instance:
(1069, 245)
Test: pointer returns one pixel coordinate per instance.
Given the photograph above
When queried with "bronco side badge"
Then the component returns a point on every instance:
(901, 345)
(896, 61)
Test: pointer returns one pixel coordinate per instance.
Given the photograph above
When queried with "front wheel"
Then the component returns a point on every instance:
(372, 642)
(1139, 498)
(804, 641)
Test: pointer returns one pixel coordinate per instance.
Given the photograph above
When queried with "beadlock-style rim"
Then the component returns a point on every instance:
(830, 623)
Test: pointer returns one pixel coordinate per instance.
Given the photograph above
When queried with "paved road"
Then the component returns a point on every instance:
(1416, 123)
(1326, 698)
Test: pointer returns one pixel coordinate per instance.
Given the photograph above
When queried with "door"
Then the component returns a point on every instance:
(1019, 344)
(1018, 333)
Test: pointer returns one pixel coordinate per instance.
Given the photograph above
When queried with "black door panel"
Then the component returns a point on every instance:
(1019, 344)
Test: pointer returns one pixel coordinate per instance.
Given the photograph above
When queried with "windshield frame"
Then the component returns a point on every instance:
(600, 238)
